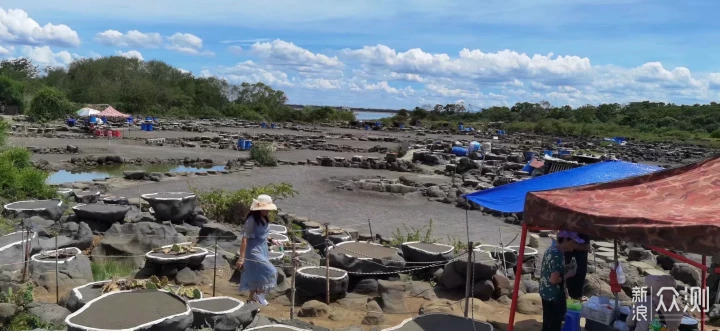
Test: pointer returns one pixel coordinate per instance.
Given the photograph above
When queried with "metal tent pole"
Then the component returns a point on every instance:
(518, 275)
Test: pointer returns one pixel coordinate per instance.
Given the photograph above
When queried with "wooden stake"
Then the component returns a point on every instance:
(215, 265)
(57, 287)
(327, 265)
(294, 266)
(468, 281)
(372, 238)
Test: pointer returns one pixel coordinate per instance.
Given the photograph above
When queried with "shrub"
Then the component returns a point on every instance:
(22, 297)
(19, 180)
(264, 154)
(49, 104)
(715, 134)
(233, 206)
(108, 269)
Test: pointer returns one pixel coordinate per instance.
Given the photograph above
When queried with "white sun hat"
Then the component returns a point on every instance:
(263, 202)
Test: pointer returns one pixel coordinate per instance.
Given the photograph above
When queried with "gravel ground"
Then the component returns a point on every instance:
(320, 201)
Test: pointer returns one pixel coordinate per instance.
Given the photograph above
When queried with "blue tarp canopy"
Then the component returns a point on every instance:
(510, 198)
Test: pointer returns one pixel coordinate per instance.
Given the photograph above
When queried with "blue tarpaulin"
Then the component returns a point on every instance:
(510, 198)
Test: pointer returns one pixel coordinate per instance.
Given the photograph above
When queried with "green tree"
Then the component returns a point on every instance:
(11, 92)
(19, 69)
(259, 94)
(49, 104)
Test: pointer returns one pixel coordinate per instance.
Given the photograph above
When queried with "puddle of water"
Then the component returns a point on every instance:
(100, 172)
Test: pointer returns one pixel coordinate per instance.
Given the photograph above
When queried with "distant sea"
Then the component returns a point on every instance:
(368, 115)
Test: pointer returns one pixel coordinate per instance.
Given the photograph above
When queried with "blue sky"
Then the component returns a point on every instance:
(397, 53)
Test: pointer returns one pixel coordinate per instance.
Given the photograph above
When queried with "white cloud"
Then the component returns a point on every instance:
(321, 84)
(448, 92)
(283, 53)
(132, 38)
(504, 65)
(187, 43)
(45, 57)
(183, 71)
(406, 77)
(251, 72)
(132, 54)
(654, 72)
(6, 51)
(17, 27)
(385, 87)
(714, 80)
(237, 50)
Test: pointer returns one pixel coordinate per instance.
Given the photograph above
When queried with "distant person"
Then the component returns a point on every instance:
(576, 283)
(552, 280)
(259, 275)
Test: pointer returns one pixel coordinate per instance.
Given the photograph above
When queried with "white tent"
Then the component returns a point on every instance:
(87, 112)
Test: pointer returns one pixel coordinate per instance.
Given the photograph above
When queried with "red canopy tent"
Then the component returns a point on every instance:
(112, 113)
(675, 209)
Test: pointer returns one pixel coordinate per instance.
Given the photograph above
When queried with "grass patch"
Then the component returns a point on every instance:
(25, 321)
(108, 269)
(233, 206)
(411, 233)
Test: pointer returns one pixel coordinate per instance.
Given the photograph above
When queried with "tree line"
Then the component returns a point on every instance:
(144, 88)
(157, 89)
(644, 120)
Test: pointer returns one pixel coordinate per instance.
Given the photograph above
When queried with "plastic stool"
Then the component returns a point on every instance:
(572, 321)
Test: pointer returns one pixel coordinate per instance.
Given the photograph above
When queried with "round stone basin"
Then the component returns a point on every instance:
(364, 250)
(431, 248)
(131, 310)
(113, 200)
(275, 256)
(171, 206)
(80, 295)
(15, 238)
(529, 251)
(280, 238)
(64, 255)
(315, 271)
(493, 249)
(276, 327)
(216, 305)
(299, 249)
(171, 258)
(100, 212)
(47, 209)
(431, 322)
(427, 253)
(334, 237)
(277, 228)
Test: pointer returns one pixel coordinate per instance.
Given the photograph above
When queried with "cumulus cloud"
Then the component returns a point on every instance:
(504, 65)
(714, 80)
(283, 53)
(383, 86)
(251, 72)
(132, 38)
(654, 72)
(17, 27)
(321, 84)
(187, 43)
(133, 54)
(45, 57)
